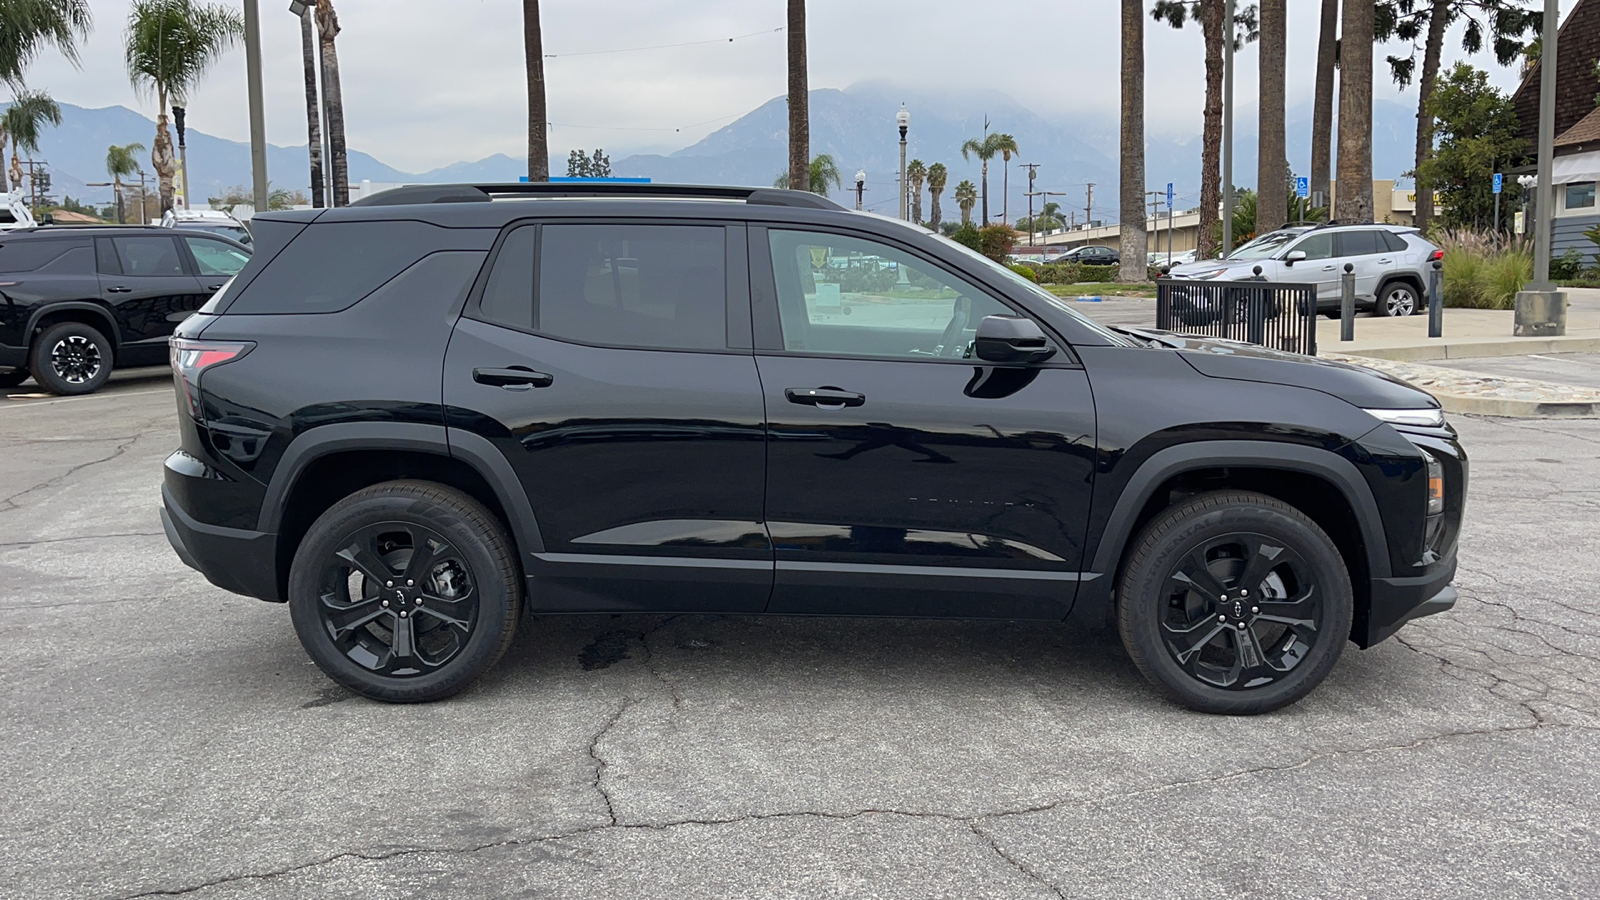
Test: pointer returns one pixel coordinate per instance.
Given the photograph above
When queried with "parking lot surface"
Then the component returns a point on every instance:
(1581, 369)
(163, 737)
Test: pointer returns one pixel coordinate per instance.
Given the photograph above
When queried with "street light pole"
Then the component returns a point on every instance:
(1545, 203)
(861, 186)
(1227, 129)
(258, 122)
(903, 119)
(178, 117)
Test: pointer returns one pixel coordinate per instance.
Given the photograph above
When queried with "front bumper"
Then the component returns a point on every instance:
(1396, 601)
(244, 562)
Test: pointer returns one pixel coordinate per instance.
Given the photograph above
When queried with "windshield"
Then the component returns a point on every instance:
(1264, 246)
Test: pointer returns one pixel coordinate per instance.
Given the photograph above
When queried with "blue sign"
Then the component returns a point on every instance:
(1169, 195)
(1497, 179)
(1302, 187)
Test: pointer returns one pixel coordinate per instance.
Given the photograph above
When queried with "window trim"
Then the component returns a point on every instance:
(473, 307)
(1594, 195)
(769, 324)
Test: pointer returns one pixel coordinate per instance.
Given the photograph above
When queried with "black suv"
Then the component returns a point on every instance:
(76, 301)
(422, 417)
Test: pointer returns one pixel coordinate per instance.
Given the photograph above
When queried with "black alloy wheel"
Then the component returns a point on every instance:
(1235, 602)
(406, 591)
(71, 358)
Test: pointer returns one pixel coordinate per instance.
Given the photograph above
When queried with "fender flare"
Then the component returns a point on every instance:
(471, 449)
(113, 333)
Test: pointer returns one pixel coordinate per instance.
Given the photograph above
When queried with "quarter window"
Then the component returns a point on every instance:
(216, 258)
(848, 296)
(28, 255)
(147, 256)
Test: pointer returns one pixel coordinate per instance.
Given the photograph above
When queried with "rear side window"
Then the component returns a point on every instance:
(148, 256)
(647, 286)
(331, 266)
(1360, 243)
(26, 256)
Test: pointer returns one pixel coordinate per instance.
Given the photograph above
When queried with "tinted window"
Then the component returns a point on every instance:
(1360, 243)
(147, 256)
(508, 296)
(1316, 246)
(330, 266)
(660, 286)
(215, 257)
(1392, 241)
(26, 255)
(848, 296)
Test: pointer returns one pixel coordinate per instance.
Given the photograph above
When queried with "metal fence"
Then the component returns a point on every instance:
(1280, 316)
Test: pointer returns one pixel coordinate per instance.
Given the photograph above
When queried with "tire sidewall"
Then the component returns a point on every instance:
(44, 372)
(1383, 300)
(496, 587)
(1181, 530)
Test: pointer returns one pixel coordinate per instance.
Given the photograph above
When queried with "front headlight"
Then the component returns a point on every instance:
(1212, 274)
(1426, 418)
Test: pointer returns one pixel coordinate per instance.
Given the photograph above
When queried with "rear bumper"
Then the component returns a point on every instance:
(244, 562)
(1396, 601)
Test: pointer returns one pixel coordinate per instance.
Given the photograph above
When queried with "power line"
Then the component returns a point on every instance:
(730, 40)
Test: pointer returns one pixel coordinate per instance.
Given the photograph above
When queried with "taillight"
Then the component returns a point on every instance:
(1435, 256)
(190, 357)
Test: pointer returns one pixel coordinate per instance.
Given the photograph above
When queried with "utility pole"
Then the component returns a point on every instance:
(1046, 195)
(1088, 206)
(1032, 226)
(258, 125)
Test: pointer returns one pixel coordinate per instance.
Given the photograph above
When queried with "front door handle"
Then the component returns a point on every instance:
(824, 397)
(119, 289)
(514, 378)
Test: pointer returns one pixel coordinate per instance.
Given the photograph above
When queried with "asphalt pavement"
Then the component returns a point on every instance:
(1581, 369)
(163, 737)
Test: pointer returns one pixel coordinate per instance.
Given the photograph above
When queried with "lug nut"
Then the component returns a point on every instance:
(386, 603)
(403, 615)
(1222, 618)
(1254, 610)
(410, 583)
(1243, 592)
(389, 584)
(1241, 624)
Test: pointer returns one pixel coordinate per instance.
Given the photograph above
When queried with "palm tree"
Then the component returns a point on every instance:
(1007, 146)
(966, 196)
(169, 46)
(26, 28)
(538, 113)
(985, 148)
(23, 124)
(122, 162)
(1322, 106)
(916, 173)
(308, 59)
(1272, 164)
(333, 102)
(937, 174)
(799, 102)
(821, 172)
(1132, 237)
(1354, 173)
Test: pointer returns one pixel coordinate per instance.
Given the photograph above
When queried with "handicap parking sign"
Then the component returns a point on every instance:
(1302, 187)
(1497, 181)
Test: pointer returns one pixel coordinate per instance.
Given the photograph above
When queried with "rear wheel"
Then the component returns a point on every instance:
(405, 592)
(1397, 299)
(71, 358)
(1234, 602)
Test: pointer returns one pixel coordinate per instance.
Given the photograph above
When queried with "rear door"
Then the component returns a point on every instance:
(1364, 248)
(149, 289)
(610, 363)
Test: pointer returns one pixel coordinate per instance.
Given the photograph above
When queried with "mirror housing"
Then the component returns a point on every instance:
(1294, 257)
(1011, 339)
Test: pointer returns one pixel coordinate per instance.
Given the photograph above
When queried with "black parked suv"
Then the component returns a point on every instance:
(74, 302)
(422, 417)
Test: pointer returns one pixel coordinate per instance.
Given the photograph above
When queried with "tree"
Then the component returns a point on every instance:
(799, 102)
(1478, 132)
(937, 175)
(308, 62)
(1272, 167)
(239, 195)
(26, 28)
(1210, 15)
(916, 173)
(985, 148)
(1007, 145)
(23, 125)
(821, 172)
(1322, 105)
(1132, 241)
(122, 162)
(580, 166)
(1354, 200)
(1048, 218)
(333, 101)
(169, 46)
(538, 113)
(966, 196)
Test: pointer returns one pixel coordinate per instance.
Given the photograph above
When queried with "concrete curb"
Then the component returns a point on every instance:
(1468, 348)
(1517, 409)
(1537, 400)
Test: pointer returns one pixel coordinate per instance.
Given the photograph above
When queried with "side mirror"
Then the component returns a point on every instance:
(1294, 257)
(1011, 339)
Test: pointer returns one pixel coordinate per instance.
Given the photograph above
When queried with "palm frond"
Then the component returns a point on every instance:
(171, 44)
(25, 119)
(27, 27)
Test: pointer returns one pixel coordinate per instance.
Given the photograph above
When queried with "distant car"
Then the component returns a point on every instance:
(212, 221)
(1159, 258)
(1391, 262)
(1092, 256)
(73, 301)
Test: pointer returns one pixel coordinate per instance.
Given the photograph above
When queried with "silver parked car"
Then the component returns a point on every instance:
(1392, 264)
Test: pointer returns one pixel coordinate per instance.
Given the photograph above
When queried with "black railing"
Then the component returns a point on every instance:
(1280, 316)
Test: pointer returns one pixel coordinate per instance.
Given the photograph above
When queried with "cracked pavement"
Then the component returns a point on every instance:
(165, 738)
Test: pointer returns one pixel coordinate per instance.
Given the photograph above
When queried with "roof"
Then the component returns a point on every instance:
(1587, 131)
(1577, 50)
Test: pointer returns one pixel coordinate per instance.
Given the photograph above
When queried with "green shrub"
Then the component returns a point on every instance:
(1482, 271)
(1153, 272)
(1059, 273)
(1567, 266)
(1098, 273)
(997, 241)
(967, 235)
(1025, 272)
(866, 280)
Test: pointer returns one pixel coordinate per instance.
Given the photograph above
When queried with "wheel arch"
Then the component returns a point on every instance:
(92, 314)
(1409, 278)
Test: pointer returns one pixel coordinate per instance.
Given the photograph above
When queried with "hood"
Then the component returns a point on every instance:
(1238, 361)
(1236, 268)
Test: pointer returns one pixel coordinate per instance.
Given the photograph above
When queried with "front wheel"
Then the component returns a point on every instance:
(1234, 602)
(405, 592)
(71, 358)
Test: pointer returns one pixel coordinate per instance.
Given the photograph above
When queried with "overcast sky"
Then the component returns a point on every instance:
(430, 82)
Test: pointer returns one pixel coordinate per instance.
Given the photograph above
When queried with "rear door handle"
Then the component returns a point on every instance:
(119, 290)
(514, 378)
(826, 397)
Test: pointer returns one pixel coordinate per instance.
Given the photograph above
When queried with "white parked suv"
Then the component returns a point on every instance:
(1392, 264)
(214, 221)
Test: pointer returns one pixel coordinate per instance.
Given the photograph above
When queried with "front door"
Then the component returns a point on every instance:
(610, 364)
(1365, 249)
(143, 279)
(903, 476)
(1317, 268)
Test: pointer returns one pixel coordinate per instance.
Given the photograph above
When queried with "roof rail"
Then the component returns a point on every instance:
(480, 193)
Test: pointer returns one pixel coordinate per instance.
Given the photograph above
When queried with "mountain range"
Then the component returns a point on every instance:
(855, 126)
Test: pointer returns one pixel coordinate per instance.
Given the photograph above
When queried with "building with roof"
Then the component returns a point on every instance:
(1576, 168)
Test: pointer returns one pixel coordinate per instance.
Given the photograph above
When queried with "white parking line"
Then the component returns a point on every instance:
(33, 399)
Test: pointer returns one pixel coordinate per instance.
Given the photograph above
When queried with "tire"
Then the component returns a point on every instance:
(457, 620)
(13, 378)
(71, 358)
(1187, 643)
(1398, 298)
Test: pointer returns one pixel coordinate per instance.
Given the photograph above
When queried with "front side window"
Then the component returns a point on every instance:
(842, 295)
(1316, 246)
(216, 258)
(147, 256)
(1265, 246)
(1580, 195)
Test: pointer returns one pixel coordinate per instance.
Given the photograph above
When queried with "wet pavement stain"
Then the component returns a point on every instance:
(605, 650)
(328, 697)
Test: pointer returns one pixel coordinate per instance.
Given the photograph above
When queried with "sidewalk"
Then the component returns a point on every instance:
(1467, 333)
